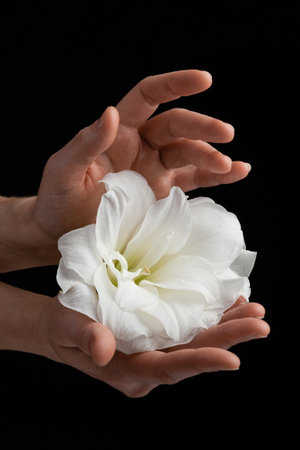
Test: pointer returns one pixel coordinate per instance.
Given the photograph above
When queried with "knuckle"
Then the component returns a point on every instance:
(143, 87)
(174, 121)
(176, 113)
(146, 80)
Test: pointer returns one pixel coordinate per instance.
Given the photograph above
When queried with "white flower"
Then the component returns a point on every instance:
(155, 272)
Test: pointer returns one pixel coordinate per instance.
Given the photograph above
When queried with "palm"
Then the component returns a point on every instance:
(131, 151)
(121, 155)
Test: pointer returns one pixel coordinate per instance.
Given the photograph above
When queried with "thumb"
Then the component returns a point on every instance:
(102, 344)
(93, 338)
(96, 340)
(91, 141)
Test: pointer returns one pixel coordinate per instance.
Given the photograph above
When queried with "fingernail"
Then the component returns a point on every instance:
(231, 368)
(249, 166)
(101, 121)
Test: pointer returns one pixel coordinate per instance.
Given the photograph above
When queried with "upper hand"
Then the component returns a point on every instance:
(169, 149)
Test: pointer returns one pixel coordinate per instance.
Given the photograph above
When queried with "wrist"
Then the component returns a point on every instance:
(20, 316)
(22, 242)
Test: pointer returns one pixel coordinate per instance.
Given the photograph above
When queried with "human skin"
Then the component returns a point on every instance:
(171, 148)
(39, 324)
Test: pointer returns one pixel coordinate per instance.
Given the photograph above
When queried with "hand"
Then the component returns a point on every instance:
(78, 341)
(168, 149)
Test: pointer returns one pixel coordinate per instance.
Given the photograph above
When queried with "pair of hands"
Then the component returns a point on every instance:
(169, 149)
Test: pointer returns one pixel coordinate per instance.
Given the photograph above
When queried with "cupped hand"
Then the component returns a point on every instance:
(170, 148)
(80, 342)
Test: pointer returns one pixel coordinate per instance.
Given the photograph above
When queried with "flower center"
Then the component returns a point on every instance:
(117, 269)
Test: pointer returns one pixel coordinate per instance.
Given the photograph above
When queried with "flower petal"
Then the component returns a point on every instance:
(244, 263)
(216, 234)
(235, 279)
(187, 273)
(75, 293)
(170, 214)
(180, 314)
(134, 185)
(131, 297)
(234, 286)
(110, 223)
(78, 250)
(122, 209)
(195, 250)
(155, 252)
(168, 327)
(130, 332)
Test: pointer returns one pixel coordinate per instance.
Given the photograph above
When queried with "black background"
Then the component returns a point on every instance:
(61, 65)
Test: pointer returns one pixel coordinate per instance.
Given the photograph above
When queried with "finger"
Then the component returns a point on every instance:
(168, 126)
(191, 177)
(173, 367)
(230, 333)
(198, 153)
(142, 101)
(241, 300)
(91, 337)
(244, 310)
(145, 371)
(96, 340)
(90, 142)
(102, 344)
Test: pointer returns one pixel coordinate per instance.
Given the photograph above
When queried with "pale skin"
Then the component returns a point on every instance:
(171, 148)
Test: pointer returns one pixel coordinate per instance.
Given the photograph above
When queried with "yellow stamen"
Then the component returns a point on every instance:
(145, 269)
